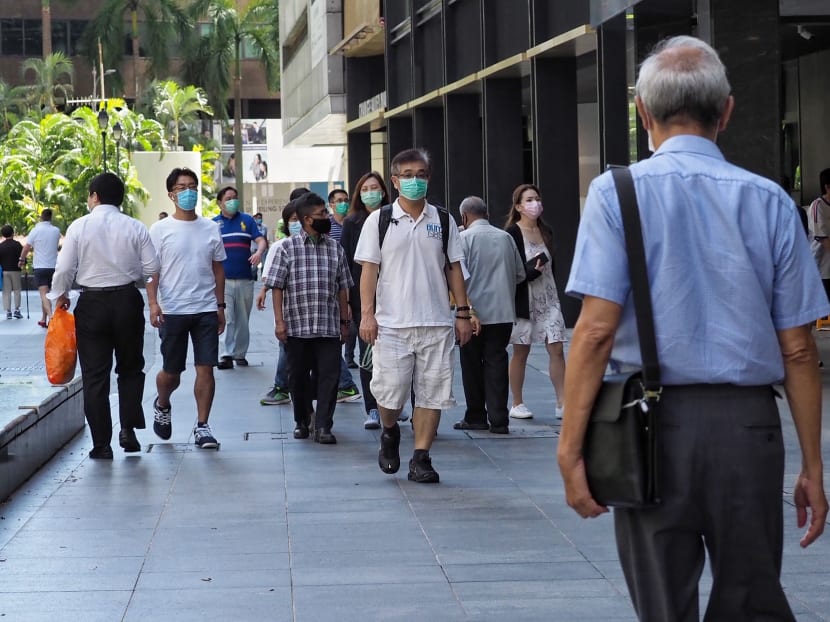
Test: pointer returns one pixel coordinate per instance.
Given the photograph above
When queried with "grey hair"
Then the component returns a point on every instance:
(684, 76)
(475, 206)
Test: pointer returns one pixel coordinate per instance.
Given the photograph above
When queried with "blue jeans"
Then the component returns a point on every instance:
(281, 377)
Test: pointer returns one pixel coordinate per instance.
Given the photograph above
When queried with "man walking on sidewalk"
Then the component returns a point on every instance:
(106, 252)
(495, 268)
(10, 262)
(715, 236)
(238, 231)
(44, 240)
(191, 292)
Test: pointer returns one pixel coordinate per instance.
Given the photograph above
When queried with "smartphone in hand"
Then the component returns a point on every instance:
(541, 257)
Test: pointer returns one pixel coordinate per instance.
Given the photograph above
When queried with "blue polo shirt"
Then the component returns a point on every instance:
(728, 265)
(237, 234)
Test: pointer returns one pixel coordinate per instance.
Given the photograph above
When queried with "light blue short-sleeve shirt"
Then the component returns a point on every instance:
(728, 265)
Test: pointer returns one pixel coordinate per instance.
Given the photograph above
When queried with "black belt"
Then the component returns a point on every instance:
(116, 288)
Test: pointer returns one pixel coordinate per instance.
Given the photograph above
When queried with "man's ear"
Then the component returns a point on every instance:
(645, 117)
(728, 108)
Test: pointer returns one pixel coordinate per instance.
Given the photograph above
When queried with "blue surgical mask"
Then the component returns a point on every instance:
(232, 206)
(294, 227)
(413, 189)
(187, 199)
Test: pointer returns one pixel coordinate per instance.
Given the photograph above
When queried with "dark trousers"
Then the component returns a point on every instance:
(484, 375)
(369, 401)
(107, 323)
(320, 357)
(721, 467)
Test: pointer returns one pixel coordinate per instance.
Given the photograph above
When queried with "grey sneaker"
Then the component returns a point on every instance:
(162, 425)
(203, 437)
(372, 420)
(275, 397)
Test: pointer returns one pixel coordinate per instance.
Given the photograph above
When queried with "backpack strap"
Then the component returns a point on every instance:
(383, 223)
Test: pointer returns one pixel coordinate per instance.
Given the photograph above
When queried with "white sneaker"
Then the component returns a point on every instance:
(521, 412)
(559, 411)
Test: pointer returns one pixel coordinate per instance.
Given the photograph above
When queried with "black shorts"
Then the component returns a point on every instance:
(202, 328)
(43, 277)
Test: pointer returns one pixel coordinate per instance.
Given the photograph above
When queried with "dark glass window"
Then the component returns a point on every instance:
(11, 37)
(32, 37)
(76, 32)
(60, 37)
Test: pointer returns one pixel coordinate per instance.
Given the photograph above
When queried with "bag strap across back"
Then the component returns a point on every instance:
(639, 278)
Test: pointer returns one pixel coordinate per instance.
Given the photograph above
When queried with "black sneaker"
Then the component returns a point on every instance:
(421, 471)
(162, 425)
(389, 459)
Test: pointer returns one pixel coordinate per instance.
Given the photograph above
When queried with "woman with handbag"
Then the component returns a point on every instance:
(538, 312)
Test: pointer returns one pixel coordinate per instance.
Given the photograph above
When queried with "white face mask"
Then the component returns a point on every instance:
(651, 146)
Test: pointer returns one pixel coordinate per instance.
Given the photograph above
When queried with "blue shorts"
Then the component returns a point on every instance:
(43, 277)
(202, 328)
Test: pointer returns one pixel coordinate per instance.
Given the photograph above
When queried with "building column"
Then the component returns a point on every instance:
(359, 154)
(428, 131)
(556, 162)
(399, 136)
(612, 89)
(503, 144)
(753, 64)
(464, 149)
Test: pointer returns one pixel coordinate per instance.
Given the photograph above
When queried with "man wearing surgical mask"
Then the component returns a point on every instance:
(338, 208)
(191, 303)
(239, 232)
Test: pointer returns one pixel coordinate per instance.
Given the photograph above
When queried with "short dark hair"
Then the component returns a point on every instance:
(824, 179)
(177, 172)
(296, 193)
(46, 215)
(7, 231)
(108, 187)
(258, 214)
(287, 212)
(410, 155)
(335, 192)
(224, 191)
(307, 202)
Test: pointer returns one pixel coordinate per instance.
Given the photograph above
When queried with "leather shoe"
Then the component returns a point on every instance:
(225, 362)
(301, 431)
(101, 453)
(324, 437)
(243, 362)
(128, 440)
(465, 425)
(499, 429)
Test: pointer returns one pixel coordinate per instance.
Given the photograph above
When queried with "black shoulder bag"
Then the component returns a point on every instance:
(620, 450)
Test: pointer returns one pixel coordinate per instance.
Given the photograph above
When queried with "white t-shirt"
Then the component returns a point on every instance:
(412, 286)
(271, 255)
(44, 239)
(187, 250)
(818, 222)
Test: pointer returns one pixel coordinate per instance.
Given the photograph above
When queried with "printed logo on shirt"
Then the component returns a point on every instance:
(434, 231)
(244, 228)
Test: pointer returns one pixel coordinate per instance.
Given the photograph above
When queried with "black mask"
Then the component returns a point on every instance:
(321, 225)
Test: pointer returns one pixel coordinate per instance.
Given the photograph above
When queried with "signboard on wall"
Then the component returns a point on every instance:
(603, 10)
(317, 31)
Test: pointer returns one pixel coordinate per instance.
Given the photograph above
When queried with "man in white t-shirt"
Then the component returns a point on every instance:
(406, 313)
(44, 240)
(191, 294)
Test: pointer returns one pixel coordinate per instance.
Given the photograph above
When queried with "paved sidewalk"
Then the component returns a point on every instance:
(269, 528)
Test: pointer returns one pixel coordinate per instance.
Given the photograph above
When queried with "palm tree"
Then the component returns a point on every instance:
(176, 106)
(47, 80)
(215, 56)
(46, 27)
(163, 20)
(12, 106)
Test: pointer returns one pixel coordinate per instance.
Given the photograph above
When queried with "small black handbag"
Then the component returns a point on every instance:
(620, 448)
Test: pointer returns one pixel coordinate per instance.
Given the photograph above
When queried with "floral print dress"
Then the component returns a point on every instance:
(546, 323)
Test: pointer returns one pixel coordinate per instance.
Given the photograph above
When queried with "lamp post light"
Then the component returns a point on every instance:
(117, 130)
(103, 122)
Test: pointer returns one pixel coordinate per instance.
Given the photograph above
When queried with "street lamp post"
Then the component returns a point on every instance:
(117, 130)
(103, 122)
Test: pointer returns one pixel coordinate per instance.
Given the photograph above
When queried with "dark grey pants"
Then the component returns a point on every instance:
(721, 467)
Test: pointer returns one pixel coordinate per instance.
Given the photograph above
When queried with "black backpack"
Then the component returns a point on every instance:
(385, 219)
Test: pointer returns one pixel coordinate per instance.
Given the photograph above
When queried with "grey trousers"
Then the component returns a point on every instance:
(239, 296)
(721, 467)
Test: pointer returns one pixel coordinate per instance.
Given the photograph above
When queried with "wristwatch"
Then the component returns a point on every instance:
(221, 305)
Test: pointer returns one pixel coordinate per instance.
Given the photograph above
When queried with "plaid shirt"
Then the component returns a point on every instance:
(311, 274)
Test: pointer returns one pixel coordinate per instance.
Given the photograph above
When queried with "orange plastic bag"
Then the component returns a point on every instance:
(61, 349)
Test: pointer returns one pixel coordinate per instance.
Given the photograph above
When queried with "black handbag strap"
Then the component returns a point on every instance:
(639, 278)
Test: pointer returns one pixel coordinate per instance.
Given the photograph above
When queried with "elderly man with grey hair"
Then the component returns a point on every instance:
(717, 238)
(495, 268)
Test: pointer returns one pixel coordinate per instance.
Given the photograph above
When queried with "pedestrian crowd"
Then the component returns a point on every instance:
(400, 285)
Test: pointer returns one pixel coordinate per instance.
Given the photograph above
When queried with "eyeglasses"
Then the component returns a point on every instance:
(179, 188)
(411, 175)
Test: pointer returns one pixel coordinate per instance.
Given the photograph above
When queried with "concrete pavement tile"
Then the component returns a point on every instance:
(353, 537)
(89, 606)
(377, 603)
(203, 560)
(214, 578)
(69, 574)
(63, 543)
(211, 605)
(510, 591)
(390, 558)
(256, 537)
(386, 574)
(553, 608)
(536, 571)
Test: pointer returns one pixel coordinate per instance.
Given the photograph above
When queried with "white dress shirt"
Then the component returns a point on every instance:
(105, 248)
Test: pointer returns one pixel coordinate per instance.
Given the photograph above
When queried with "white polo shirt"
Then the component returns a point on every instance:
(412, 287)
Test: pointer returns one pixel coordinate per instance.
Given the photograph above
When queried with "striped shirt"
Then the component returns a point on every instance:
(238, 233)
(311, 275)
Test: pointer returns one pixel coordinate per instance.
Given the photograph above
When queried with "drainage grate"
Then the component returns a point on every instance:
(535, 432)
(169, 447)
(266, 436)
